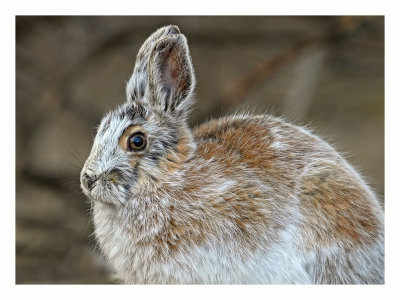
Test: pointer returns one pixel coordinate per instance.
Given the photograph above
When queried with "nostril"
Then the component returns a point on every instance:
(88, 181)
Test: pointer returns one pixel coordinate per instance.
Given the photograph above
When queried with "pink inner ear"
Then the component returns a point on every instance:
(175, 77)
(173, 68)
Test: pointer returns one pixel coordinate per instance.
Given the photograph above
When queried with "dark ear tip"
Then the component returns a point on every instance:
(173, 29)
(169, 42)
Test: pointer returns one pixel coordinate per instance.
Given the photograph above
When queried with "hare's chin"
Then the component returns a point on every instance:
(102, 199)
(107, 197)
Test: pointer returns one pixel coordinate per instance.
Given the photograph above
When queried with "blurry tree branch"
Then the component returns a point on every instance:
(341, 28)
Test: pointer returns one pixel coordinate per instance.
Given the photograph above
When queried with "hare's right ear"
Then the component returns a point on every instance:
(138, 82)
(171, 77)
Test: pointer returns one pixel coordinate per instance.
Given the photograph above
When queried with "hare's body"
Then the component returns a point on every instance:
(245, 209)
(243, 199)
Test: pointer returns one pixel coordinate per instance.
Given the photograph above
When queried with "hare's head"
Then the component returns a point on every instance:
(144, 140)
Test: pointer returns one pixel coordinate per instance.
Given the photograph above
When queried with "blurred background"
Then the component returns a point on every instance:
(327, 72)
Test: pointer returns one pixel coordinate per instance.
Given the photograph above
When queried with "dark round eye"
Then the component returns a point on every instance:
(137, 142)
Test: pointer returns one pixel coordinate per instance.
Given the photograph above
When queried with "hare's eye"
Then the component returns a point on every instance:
(137, 142)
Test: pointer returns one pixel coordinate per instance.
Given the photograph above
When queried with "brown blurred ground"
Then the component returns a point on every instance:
(71, 70)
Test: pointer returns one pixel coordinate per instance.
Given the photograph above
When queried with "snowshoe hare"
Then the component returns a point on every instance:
(242, 199)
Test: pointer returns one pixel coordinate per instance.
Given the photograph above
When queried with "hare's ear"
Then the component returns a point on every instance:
(171, 78)
(138, 82)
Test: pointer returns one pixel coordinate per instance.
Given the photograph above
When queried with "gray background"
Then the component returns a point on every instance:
(327, 72)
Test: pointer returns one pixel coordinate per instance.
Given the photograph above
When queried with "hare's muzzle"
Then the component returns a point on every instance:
(88, 181)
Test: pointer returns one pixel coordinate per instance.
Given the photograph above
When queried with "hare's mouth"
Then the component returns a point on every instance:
(107, 187)
(110, 193)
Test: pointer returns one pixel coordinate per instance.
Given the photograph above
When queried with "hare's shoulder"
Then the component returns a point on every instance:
(233, 129)
(239, 143)
(260, 138)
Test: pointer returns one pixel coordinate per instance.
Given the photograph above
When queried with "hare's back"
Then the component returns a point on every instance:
(262, 143)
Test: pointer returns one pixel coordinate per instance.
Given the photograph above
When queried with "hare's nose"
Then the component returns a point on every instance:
(88, 181)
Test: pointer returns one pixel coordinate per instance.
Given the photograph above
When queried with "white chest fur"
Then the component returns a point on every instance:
(136, 261)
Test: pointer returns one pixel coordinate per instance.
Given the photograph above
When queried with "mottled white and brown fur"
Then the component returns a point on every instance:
(242, 199)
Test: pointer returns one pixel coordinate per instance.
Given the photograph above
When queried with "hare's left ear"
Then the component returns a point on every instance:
(171, 78)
